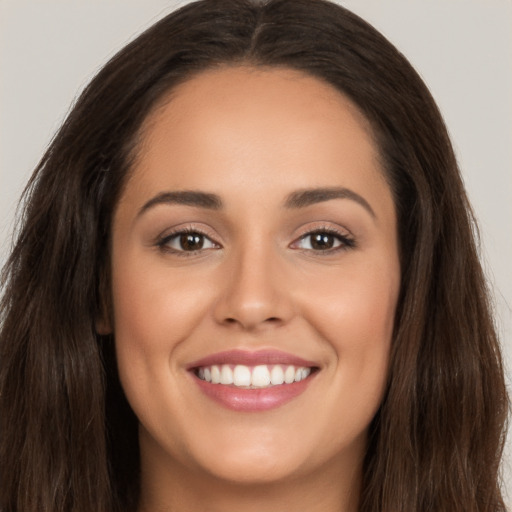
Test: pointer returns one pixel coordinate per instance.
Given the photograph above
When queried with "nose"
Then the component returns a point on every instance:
(255, 292)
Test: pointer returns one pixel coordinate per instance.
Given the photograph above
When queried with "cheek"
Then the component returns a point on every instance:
(154, 314)
(354, 311)
(354, 308)
(355, 317)
(153, 307)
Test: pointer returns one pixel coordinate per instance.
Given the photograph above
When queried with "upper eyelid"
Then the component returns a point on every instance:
(162, 242)
(174, 234)
(337, 234)
(187, 228)
(335, 230)
(346, 238)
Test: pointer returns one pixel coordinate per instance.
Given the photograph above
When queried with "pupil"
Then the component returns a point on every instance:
(322, 241)
(191, 241)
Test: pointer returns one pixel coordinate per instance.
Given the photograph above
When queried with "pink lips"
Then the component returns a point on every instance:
(252, 400)
(251, 358)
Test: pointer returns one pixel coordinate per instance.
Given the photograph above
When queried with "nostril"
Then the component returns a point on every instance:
(270, 320)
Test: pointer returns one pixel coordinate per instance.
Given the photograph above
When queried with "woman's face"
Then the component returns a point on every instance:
(255, 242)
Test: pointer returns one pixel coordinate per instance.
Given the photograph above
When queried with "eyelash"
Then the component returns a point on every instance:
(163, 242)
(346, 242)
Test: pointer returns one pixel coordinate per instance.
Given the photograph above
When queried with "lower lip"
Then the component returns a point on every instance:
(253, 400)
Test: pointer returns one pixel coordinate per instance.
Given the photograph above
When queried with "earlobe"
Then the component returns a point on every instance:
(102, 326)
(103, 322)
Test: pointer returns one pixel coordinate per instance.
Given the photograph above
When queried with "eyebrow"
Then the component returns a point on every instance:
(295, 200)
(308, 197)
(185, 197)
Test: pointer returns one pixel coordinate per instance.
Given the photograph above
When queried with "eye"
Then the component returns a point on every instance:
(324, 241)
(186, 241)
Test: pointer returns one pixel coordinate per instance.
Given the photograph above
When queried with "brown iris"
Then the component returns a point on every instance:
(322, 241)
(191, 241)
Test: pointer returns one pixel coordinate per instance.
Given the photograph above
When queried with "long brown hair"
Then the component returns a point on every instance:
(68, 439)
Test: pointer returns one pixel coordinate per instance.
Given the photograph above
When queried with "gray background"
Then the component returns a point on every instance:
(49, 49)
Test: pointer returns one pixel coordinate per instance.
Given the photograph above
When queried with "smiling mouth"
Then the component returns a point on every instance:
(253, 377)
(253, 381)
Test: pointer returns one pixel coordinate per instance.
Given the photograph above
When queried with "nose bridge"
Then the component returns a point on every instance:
(253, 294)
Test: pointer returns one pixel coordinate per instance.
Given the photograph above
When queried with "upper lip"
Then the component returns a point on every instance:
(251, 358)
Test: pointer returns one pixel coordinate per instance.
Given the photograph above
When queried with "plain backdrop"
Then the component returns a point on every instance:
(49, 49)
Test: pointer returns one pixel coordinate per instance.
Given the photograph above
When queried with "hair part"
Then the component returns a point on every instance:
(68, 438)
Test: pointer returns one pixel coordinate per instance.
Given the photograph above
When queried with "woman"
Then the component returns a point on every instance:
(246, 279)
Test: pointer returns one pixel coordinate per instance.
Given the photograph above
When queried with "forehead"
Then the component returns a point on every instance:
(242, 85)
(255, 127)
(262, 95)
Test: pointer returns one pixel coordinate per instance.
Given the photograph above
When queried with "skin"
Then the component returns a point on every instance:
(253, 136)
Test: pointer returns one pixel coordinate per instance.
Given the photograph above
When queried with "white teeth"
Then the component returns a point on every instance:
(277, 375)
(301, 374)
(289, 374)
(241, 375)
(215, 374)
(260, 376)
(226, 375)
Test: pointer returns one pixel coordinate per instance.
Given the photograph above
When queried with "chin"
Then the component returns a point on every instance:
(259, 465)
